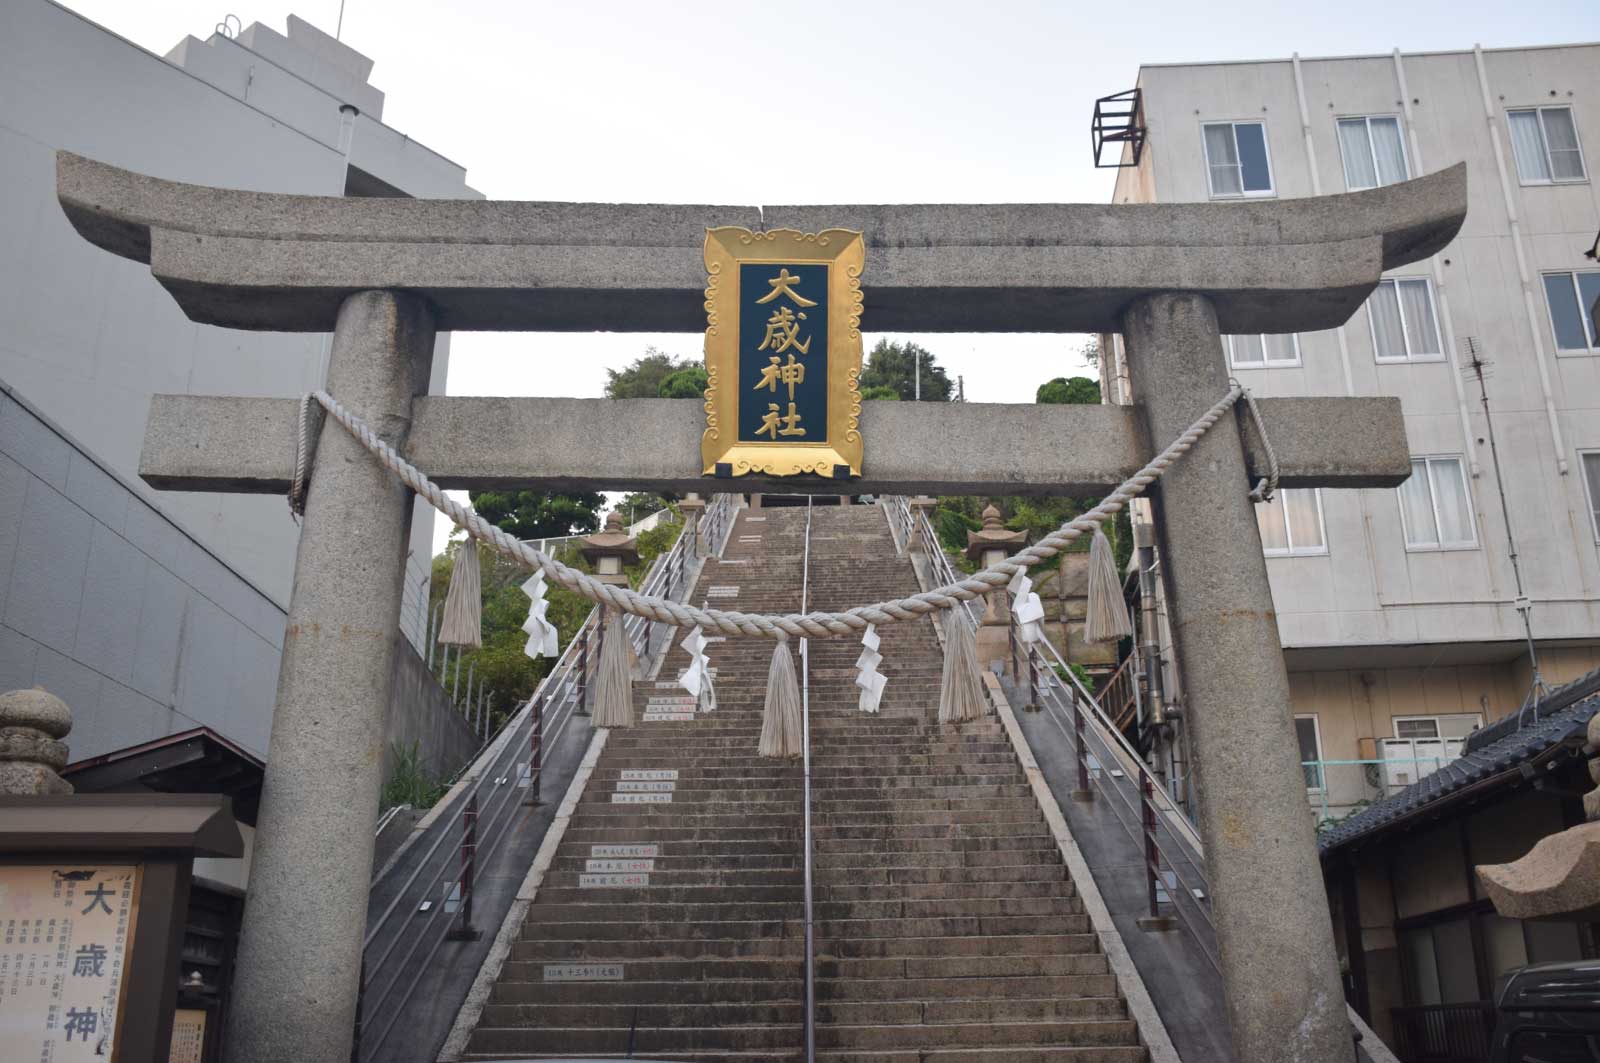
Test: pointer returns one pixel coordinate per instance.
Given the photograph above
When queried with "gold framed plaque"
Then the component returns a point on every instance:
(783, 353)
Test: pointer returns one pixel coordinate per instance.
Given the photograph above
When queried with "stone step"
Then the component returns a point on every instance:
(957, 967)
(1034, 945)
(651, 906)
(553, 950)
(1009, 1054)
(955, 925)
(522, 1040)
(789, 1012)
(1090, 983)
(512, 990)
(1087, 1031)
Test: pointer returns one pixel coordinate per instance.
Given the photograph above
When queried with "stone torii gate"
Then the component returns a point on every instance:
(383, 275)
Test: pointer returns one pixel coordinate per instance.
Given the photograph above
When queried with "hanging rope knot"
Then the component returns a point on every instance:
(1268, 484)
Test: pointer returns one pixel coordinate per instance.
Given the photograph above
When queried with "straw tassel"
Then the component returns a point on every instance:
(960, 691)
(780, 718)
(463, 604)
(1107, 619)
(613, 688)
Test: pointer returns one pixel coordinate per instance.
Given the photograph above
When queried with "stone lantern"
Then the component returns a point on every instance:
(610, 550)
(986, 546)
(692, 506)
(921, 506)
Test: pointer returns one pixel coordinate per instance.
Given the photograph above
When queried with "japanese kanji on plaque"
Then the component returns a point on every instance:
(64, 937)
(783, 352)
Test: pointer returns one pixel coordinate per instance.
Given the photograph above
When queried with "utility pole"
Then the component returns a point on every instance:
(916, 357)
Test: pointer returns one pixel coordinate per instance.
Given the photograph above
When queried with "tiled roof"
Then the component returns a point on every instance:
(1501, 747)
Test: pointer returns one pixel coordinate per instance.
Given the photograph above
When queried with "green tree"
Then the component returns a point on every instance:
(881, 393)
(642, 378)
(638, 505)
(686, 383)
(894, 366)
(1076, 391)
(956, 515)
(539, 514)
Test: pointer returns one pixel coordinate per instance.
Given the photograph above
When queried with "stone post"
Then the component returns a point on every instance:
(1285, 1001)
(294, 995)
(692, 507)
(32, 724)
(921, 506)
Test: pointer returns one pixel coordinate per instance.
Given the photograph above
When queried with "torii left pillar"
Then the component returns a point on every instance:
(295, 990)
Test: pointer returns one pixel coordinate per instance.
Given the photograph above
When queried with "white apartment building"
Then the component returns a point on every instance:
(152, 612)
(1398, 609)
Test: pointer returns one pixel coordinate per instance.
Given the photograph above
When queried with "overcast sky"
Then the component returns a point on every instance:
(803, 101)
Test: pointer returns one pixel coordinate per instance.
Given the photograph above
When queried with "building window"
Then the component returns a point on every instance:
(1292, 523)
(1545, 142)
(1372, 151)
(1591, 486)
(1236, 158)
(1271, 351)
(1436, 507)
(1404, 328)
(1570, 298)
(1305, 729)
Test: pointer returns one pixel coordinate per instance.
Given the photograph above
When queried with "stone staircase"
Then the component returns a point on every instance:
(670, 924)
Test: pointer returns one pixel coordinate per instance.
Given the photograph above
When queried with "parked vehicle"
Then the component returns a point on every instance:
(1548, 1013)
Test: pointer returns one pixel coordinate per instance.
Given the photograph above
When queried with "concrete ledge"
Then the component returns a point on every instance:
(455, 1043)
(1141, 1008)
(201, 443)
(269, 261)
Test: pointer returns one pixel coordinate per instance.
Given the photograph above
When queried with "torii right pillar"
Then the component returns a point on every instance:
(1285, 999)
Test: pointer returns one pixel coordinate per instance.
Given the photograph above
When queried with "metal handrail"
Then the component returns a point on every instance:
(668, 570)
(805, 758)
(1180, 848)
(558, 693)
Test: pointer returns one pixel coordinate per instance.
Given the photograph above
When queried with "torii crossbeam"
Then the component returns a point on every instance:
(383, 275)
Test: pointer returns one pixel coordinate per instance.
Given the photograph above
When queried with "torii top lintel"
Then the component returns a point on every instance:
(274, 262)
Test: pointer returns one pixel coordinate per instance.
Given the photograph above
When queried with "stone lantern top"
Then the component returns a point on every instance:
(609, 550)
(993, 536)
(32, 724)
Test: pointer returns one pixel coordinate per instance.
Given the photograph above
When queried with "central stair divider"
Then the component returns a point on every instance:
(805, 799)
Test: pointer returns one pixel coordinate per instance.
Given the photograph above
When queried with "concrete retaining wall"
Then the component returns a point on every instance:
(420, 711)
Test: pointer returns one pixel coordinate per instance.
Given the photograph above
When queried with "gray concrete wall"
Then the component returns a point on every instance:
(88, 338)
(116, 609)
(127, 617)
(420, 711)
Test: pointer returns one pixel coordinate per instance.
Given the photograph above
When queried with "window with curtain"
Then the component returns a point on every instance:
(1436, 506)
(1292, 523)
(1545, 142)
(1236, 158)
(1372, 152)
(1591, 487)
(1305, 729)
(1570, 298)
(1263, 352)
(1404, 327)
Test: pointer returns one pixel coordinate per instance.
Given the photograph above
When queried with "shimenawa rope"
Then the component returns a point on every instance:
(786, 625)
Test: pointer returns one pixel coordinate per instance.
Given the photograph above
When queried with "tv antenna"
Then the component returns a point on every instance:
(1478, 367)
